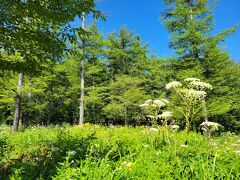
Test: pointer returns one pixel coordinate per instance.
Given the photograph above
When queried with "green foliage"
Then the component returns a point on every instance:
(199, 54)
(93, 152)
(190, 98)
(38, 31)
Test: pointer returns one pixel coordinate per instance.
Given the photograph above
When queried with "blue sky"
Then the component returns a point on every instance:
(143, 18)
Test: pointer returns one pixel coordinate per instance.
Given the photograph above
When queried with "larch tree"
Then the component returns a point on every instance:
(199, 54)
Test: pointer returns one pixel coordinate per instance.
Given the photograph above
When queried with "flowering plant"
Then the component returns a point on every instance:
(153, 107)
(191, 96)
(210, 127)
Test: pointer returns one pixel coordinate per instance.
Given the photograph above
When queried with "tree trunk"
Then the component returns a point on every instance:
(205, 114)
(18, 103)
(81, 110)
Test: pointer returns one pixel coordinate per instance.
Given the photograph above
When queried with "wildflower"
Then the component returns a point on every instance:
(146, 145)
(127, 165)
(214, 144)
(165, 115)
(154, 129)
(234, 144)
(184, 145)
(174, 84)
(73, 153)
(237, 152)
(165, 101)
(174, 127)
(195, 93)
(192, 79)
(238, 141)
(144, 105)
(201, 85)
(150, 116)
(213, 126)
(159, 103)
(149, 101)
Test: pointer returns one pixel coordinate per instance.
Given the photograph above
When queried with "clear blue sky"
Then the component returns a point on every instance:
(143, 18)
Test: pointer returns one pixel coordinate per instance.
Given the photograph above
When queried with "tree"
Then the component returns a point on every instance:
(37, 30)
(199, 53)
(124, 51)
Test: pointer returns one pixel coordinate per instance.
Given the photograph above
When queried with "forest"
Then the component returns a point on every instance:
(78, 104)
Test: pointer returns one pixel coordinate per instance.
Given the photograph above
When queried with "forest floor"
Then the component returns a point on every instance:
(96, 152)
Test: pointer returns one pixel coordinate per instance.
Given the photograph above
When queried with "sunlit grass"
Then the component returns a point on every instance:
(96, 152)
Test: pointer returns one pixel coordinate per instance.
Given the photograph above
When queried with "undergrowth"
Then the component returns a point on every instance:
(95, 152)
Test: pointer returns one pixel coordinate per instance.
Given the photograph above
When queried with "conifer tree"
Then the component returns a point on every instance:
(199, 54)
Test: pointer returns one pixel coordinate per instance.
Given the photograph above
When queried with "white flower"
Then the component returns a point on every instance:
(153, 129)
(184, 146)
(192, 79)
(159, 103)
(146, 145)
(237, 152)
(194, 93)
(144, 105)
(149, 101)
(235, 144)
(150, 116)
(165, 115)
(214, 144)
(165, 101)
(127, 164)
(213, 126)
(73, 153)
(174, 84)
(238, 141)
(202, 85)
(174, 126)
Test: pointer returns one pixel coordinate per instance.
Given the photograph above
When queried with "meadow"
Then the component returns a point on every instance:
(116, 152)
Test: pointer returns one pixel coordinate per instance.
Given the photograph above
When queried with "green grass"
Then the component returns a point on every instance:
(95, 152)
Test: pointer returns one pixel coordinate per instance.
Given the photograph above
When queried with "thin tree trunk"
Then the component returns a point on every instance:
(26, 119)
(205, 114)
(81, 110)
(18, 103)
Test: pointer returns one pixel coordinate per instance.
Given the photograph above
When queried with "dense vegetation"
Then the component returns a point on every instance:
(95, 152)
(45, 64)
(119, 72)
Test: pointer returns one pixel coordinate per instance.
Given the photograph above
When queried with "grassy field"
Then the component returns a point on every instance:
(95, 152)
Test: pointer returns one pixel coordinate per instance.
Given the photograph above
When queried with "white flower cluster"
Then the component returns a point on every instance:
(165, 101)
(127, 164)
(210, 126)
(149, 101)
(144, 105)
(194, 93)
(192, 79)
(153, 129)
(165, 115)
(174, 126)
(174, 84)
(155, 103)
(151, 116)
(201, 85)
(159, 103)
